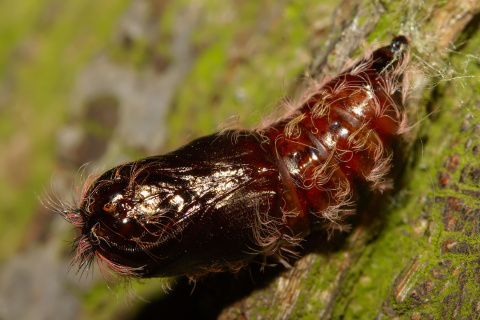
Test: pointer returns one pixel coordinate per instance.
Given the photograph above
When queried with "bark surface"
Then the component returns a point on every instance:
(161, 73)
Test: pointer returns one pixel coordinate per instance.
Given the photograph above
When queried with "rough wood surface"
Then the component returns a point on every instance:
(170, 71)
(422, 260)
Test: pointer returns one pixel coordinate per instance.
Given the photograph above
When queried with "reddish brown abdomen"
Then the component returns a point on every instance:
(337, 147)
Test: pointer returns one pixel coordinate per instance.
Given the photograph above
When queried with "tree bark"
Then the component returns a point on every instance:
(421, 259)
(418, 257)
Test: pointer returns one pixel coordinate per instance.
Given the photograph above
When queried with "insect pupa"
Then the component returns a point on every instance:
(225, 199)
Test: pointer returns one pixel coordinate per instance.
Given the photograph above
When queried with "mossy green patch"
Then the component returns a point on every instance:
(44, 43)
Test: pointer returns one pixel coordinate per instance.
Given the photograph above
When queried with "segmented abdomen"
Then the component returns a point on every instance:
(339, 145)
(222, 200)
